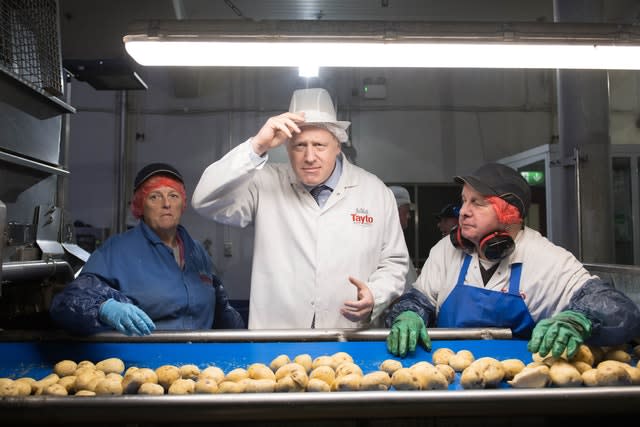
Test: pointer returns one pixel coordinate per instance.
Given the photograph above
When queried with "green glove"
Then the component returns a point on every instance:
(405, 331)
(566, 330)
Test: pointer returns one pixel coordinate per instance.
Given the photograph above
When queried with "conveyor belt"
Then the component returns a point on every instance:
(35, 357)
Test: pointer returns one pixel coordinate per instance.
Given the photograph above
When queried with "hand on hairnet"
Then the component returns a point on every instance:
(406, 331)
(126, 318)
(564, 331)
(276, 131)
(360, 309)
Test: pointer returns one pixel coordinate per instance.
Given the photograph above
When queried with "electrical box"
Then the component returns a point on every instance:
(375, 91)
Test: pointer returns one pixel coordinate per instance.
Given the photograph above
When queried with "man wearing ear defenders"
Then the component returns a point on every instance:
(492, 271)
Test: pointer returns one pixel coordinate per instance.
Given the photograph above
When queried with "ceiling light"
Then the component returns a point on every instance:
(385, 44)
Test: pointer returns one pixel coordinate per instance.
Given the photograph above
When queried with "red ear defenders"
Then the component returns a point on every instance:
(494, 246)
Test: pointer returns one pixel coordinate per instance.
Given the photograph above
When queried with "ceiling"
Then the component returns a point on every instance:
(94, 29)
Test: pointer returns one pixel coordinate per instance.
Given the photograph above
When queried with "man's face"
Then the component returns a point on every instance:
(312, 154)
(477, 215)
(404, 212)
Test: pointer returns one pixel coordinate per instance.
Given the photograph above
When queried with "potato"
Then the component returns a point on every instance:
(65, 368)
(634, 373)
(304, 360)
(618, 355)
(340, 357)
(213, 372)
(68, 382)
(589, 377)
(584, 354)
(85, 393)
(45, 382)
(8, 388)
(390, 366)
(459, 363)
(112, 364)
(87, 380)
(321, 361)
(189, 371)
(536, 376)
(511, 367)
(279, 361)
(55, 390)
(259, 371)
(262, 385)
(151, 389)
(581, 366)
(289, 369)
(167, 374)
(482, 373)
(405, 379)
(29, 381)
(347, 382)
(225, 387)
(86, 364)
(324, 373)
(564, 374)
(317, 385)
(448, 372)
(182, 386)
(149, 375)
(108, 387)
(441, 356)
(376, 380)
(612, 373)
(295, 382)
(636, 351)
(236, 375)
(430, 377)
(206, 386)
(115, 377)
(132, 381)
(348, 368)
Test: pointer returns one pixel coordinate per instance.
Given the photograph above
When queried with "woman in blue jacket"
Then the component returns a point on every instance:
(153, 276)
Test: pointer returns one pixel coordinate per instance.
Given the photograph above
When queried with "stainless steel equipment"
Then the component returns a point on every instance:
(33, 227)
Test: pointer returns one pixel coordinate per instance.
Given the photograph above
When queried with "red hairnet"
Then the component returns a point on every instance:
(507, 213)
(137, 205)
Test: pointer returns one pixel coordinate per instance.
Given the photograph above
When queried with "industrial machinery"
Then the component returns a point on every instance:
(36, 240)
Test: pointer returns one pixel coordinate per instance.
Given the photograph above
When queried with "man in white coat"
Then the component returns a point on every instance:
(328, 248)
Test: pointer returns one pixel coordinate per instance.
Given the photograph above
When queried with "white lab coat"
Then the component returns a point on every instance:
(303, 254)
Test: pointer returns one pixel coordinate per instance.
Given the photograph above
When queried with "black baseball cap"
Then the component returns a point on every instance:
(448, 211)
(496, 179)
(156, 169)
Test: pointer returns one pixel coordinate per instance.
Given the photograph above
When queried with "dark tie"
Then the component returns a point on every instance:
(315, 191)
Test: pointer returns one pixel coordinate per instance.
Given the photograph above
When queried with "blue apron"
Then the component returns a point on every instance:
(471, 306)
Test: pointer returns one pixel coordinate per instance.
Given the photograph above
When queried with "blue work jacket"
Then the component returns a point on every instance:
(138, 268)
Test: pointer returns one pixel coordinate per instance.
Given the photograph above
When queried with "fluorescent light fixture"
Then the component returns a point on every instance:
(308, 71)
(384, 44)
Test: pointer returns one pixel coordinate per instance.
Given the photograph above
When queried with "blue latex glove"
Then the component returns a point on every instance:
(406, 330)
(126, 318)
(564, 331)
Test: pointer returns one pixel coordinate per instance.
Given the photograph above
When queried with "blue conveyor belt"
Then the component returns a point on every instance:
(36, 359)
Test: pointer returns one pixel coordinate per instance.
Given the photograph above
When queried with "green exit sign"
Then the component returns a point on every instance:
(533, 177)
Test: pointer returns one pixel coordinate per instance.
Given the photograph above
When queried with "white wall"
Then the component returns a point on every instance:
(433, 125)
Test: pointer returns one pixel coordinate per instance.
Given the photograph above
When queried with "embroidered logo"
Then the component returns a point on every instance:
(362, 217)
(205, 278)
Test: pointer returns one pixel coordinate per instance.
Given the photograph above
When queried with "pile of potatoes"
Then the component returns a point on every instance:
(590, 366)
(325, 373)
